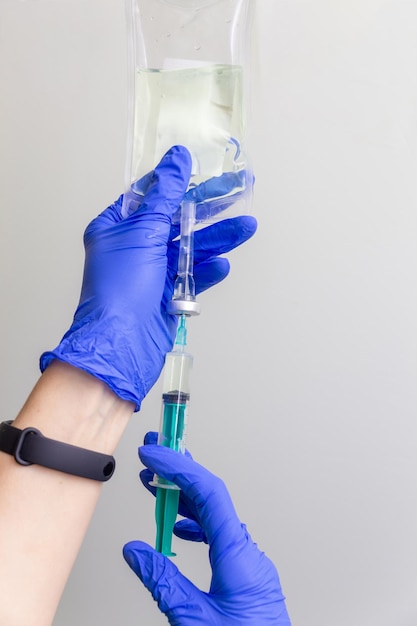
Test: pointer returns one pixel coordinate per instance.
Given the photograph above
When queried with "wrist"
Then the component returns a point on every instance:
(72, 406)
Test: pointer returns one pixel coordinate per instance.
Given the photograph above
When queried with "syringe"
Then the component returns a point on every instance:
(176, 380)
(175, 400)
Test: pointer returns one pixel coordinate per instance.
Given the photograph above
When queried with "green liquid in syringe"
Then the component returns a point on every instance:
(174, 422)
(167, 498)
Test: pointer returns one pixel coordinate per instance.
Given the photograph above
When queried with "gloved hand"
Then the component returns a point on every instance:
(121, 330)
(245, 589)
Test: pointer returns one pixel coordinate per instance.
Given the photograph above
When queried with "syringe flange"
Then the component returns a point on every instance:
(183, 307)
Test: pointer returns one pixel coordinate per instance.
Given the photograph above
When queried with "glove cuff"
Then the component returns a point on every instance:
(114, 381)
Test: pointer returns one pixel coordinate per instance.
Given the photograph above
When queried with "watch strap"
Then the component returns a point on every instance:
(29, 446)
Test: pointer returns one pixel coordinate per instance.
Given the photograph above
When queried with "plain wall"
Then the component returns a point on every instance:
(304, 387)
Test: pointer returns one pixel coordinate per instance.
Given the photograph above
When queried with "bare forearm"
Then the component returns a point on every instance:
(45, 513)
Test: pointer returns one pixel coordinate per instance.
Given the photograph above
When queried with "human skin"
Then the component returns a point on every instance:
(45, 513)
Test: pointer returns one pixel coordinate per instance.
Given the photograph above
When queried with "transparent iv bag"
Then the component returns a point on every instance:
(190, 62)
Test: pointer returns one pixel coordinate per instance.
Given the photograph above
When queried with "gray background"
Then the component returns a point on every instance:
(304, 388)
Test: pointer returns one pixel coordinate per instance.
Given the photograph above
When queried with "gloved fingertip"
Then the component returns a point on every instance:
(150, 438)
(169, 183)
(177, 157)
(138, 555)
(223, 265)
(169, 588)
(153, 455)
(156, 572)
(210, 273)
(130, 557)
(247, 225)
(166, 462)
(179, 151)
(146, 476)
(145, 452)
(189, 530)
(237, 230)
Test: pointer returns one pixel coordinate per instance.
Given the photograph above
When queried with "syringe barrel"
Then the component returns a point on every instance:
(174, 421)
(177, 371)
(175, 402)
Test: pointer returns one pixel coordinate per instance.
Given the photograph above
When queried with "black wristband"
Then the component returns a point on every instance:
(29, 446)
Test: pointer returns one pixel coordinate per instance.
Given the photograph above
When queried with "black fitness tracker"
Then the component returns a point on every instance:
(29, 446)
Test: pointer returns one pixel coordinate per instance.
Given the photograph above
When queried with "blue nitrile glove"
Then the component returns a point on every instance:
(121, 331)
(245, 589)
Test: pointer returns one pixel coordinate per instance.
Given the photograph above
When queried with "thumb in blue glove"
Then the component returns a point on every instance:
(121, 331)
(245, 589)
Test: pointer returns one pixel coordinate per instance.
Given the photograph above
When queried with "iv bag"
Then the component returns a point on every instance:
(189, 75)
